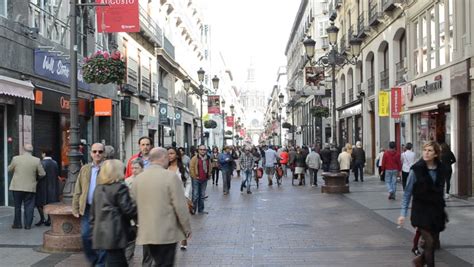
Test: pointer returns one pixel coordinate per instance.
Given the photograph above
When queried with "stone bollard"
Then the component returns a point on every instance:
(65, 233)
(334, 183)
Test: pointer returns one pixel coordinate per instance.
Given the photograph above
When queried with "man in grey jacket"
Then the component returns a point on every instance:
(26, 169)
(313, 161)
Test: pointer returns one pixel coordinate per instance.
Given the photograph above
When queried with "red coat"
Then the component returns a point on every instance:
(391, 161)
(128, 170)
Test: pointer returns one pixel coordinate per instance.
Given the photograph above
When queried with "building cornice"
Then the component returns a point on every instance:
(296, 23)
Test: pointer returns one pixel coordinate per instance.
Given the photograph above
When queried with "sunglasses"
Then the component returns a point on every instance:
(97, 151)
(202, 149)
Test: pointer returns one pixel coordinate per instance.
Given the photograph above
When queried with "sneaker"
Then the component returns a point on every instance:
(183, 247)
(248, 192)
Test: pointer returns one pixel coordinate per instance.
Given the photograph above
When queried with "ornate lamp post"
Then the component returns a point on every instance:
(232, 114)
(200, 92)
(223, 122)
(333, 59)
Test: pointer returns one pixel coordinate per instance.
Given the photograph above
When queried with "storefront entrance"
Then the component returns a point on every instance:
(3, 157)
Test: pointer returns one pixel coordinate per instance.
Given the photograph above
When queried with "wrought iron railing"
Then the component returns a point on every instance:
(169, 47)
(401, 70)
(371, 86)
(384, 82)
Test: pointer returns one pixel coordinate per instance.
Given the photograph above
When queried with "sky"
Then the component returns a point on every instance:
(252, 30)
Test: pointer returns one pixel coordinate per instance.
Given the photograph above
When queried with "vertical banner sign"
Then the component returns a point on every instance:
(230, 121)
(213, 104)
(396, 102)
(118, 16)
(242, 132)
(163, 113)
(384, 104)
(177, 117)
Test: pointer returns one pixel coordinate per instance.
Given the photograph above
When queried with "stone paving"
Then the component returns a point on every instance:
(283, 226)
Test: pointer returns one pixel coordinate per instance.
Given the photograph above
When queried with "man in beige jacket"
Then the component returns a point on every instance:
(163, 215)
(26, 169)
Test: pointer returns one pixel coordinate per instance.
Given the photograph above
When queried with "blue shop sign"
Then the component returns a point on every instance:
(53, 67)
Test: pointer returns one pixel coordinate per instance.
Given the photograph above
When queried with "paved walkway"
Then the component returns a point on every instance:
(284, 226)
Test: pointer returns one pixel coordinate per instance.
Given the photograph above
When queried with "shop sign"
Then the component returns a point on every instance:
(103, 107)
(349, 112)
(384, 104)
(427, 88)
(177, 117)
(230, 121)
(313, 76)
(396, 102)
(118, 16)
(57, 102)
(53, 67)
(213, 104)
(163, 114)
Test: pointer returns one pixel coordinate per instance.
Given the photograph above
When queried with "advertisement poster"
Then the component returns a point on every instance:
(118, 16)
(213, 104)
(384, 104)
(230, 121)
(396, 102)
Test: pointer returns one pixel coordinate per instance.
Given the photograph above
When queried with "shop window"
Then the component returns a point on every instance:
(431, 126)
(442, 34)
(450, 29)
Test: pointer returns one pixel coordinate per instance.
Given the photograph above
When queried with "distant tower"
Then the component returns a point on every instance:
(253, 101)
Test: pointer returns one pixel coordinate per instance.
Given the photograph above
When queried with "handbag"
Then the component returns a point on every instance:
(259, 172)
(190, 206)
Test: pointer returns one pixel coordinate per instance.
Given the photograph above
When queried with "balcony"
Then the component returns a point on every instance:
(351, 95)
(343, 44)
(374, 14)
(361, 26)
(390, 5)
(132, 81)
(401, 71)
(169, 47)
(163, 92)
(371, 86)
(149, 28)
(384, 82)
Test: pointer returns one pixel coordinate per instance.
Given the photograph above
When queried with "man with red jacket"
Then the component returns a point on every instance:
(392, 168)
(145, 146)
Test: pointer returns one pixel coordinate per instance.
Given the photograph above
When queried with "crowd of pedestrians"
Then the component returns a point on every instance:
(120, 205)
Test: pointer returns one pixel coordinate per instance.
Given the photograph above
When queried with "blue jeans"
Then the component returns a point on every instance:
(95, 257)
(248, 179)
(199, 187)
(391, 180)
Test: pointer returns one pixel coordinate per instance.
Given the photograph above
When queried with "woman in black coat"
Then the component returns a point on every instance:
(111, 212)
(47, 188)
(448, 158)
(425, 183)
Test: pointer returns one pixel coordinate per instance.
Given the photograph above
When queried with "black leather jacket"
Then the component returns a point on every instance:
(110, 215)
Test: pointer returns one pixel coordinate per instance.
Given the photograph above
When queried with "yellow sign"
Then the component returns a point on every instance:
(384, 104)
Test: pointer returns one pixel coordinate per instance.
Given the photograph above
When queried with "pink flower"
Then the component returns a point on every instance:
(106, 55)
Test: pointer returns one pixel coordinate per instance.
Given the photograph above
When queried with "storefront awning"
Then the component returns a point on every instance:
(17, 88)
(418, 110)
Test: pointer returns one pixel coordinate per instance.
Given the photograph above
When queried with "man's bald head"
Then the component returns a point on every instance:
(28, 148)
(159, 155)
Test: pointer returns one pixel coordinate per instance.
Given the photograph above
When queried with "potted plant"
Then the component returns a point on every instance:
(102, 67)
(319, 111)
(210, 124)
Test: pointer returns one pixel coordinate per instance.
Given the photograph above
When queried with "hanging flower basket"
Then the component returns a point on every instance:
(103, 68)
(228, 132)
(319, 111)
(210, 124)
(286, 125)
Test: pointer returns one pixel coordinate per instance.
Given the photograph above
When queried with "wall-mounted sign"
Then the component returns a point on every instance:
(230, 121)
(427, 88)
(103, 107)
(396, 102)
(351, 111)
(118, 16)
(213, 104)
(163, 114)
(177, 117)
(53, 67)
(384, 104)
(58, 102)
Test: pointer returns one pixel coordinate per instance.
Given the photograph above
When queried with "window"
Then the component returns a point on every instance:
(450, 29)
(416, 51)
(424, 45)
(433, 46)
(3, 8)
(442, 34)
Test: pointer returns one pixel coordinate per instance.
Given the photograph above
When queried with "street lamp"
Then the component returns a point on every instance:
(332, 59)
(201, 92)
(223, 123)
(232, 114)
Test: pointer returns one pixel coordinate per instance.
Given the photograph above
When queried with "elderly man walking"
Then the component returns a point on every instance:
(25, 169)
(82, 200)
(163, 214)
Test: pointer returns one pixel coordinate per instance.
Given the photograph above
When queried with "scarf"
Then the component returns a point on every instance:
(204, 163)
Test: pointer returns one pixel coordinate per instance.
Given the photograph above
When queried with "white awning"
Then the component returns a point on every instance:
(17, 88)
(418, 110)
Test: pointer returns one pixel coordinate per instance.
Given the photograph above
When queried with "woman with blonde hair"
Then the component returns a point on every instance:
(111, 212)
